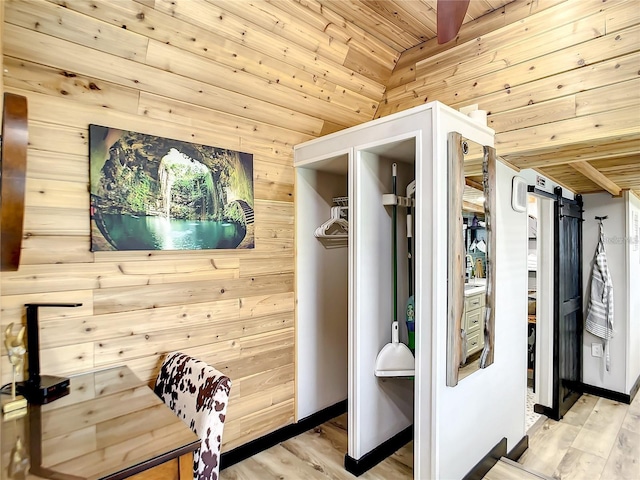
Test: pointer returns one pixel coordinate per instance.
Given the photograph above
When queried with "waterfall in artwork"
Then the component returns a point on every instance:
(166, 181)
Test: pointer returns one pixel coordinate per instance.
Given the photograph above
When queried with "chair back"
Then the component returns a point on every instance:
(198, 394)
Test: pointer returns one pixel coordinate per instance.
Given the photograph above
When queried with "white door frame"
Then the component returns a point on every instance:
(544, 304)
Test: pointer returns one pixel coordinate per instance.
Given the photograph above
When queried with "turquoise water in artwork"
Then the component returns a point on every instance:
(130, 232)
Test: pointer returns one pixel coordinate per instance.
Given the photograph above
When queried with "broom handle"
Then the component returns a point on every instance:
(411, 189)
(394, 242)
(409, 255)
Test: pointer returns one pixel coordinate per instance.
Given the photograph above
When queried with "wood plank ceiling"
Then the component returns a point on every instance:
(585, 163)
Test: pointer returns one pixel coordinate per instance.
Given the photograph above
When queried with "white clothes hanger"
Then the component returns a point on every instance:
(335, 227)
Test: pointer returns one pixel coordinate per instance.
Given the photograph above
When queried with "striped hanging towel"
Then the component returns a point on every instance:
(600, 308)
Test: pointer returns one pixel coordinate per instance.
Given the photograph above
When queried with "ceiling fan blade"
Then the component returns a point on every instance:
(450, 15)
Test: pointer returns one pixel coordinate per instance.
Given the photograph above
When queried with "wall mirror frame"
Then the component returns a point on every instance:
(13, 166)
(467, 161)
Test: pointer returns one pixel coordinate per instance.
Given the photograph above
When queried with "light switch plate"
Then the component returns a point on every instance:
(519, 194)
(596, 350)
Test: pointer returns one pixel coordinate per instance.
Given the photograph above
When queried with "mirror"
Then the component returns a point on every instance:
(471, 257)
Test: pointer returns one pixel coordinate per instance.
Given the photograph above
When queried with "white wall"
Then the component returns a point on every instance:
(594, 372)
(490, 404)
(322, 295)
(633, 290)
(438, 455)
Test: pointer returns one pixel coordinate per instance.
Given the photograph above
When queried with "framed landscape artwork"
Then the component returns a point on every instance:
(152, 193)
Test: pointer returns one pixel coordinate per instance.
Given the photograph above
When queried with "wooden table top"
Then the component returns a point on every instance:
(109, 426)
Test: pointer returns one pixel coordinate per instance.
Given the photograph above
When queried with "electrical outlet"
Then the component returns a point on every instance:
(596, 350)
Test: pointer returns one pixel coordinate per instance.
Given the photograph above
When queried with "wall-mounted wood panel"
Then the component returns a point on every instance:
(250, 76)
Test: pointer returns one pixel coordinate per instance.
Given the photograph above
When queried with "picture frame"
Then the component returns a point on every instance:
(155, 193)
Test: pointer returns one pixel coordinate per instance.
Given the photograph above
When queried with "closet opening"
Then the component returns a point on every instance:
(380, 407)
(322, 278)
(345, 290)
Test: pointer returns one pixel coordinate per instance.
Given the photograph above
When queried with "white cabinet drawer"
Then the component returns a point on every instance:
(474, 320)
(474, 301)
(473, 343)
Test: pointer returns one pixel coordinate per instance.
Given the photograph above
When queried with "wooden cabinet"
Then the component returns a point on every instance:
(180, 468)
(473, 319)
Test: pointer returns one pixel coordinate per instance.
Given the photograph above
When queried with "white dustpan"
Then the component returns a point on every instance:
(395, 359)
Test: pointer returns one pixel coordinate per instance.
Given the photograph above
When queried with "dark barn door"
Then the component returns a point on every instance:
(567, 327)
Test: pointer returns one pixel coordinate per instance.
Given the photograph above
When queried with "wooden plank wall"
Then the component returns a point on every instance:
(560, 85)
(221, 73)
(261, 77)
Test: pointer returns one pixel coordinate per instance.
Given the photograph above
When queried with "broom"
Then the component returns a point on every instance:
(395, 359)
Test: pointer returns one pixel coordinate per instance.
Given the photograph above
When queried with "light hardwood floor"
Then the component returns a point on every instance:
(598, 439)
(507, 469)
(317, 454)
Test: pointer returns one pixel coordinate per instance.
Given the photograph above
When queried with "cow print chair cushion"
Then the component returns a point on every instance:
(198, 394)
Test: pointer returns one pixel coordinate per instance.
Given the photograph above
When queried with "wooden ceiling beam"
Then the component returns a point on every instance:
(473, 184)
(472, 207)
(593, 174)
(621, 146)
